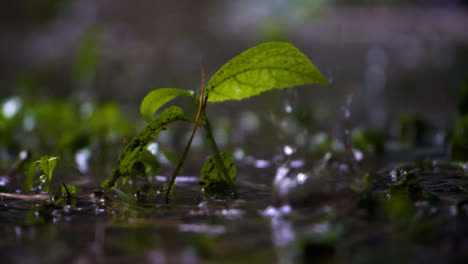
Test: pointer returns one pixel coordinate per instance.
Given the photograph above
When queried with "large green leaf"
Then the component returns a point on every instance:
(157, 98)
(262, 68)
(125, 165)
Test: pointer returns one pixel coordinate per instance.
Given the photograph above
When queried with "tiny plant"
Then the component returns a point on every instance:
(47, 166)
(271, 65)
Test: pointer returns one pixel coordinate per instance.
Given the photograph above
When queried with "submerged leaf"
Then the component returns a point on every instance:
(131, 154)
(262, 68)
(157, 98)
(212, 175)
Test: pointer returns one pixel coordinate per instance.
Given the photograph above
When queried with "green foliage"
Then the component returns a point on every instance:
(399, 208)
(304, 115)
(262, 68)
(408, 185)
(87, 58)
(47, 165)
(212, 175)
(125, 166)
(106, 123)
(157, 98)
(57, 125)
(413, 129)
(272, 30)
(66, 195)
(369, 140)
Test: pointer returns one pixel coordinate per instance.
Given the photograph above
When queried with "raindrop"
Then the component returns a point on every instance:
(24, 155)
(261, 164)
(82, 159)
(283, 232)
(288, 150)
(301, 178)
(153, 148)
(358, 156)
(11, 107)
(238, 154)
(29, 123)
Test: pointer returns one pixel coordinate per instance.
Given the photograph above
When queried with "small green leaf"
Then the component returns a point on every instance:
(28, 182)
(47, 165)
(262, 68)
(212, 174)
(69, 189)
(157, 98)
(125, 165)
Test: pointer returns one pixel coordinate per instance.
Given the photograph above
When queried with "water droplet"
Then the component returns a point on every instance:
(238, 154)
(261, 164)
(288, 150)
(153, 148)
(288, 108)
(358, 156)
(82, 158)
(301, 178)
(283, 231)
(29, 122)
(24, 154)
(11, 107)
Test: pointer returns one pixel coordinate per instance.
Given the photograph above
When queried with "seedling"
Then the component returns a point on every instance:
(47, 166)
(271, 65)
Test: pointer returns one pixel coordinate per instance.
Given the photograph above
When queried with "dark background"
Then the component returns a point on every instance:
(389, 57)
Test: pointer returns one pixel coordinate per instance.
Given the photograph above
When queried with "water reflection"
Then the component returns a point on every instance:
(203, 228)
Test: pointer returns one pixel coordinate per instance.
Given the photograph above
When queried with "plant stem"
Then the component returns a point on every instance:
(214, 147)
(201, 108)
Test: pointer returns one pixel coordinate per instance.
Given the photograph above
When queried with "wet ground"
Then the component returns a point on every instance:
(425, 223)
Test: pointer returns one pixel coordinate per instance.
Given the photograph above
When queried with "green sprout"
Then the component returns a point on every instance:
(268, 66)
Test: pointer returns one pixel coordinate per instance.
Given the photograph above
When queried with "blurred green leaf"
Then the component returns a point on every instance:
(87, 59)
(369, 140)
(68, 189)
(28, 182)
(262, 68)
(108, 123)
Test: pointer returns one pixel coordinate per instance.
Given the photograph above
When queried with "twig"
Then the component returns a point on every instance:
(69, 196)
(124, 143)
(26, 197)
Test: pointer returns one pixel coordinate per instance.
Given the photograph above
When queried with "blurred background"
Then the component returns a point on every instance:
(74, 71)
